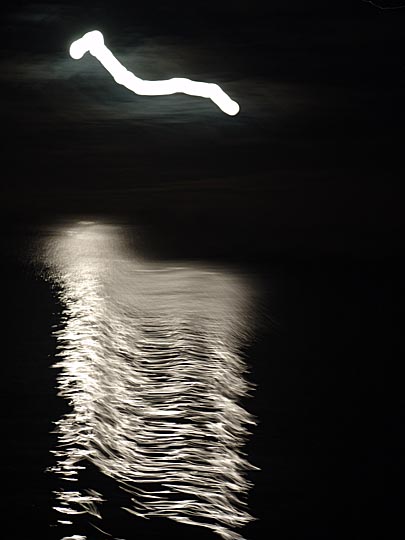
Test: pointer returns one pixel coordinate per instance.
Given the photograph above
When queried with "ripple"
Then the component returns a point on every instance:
(150, 363)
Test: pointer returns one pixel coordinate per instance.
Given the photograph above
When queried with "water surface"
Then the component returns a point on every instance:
(150, 364)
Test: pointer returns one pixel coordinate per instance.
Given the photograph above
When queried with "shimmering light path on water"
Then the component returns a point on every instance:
(150, 364)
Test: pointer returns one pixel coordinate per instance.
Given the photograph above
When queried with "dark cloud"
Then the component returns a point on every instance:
(315, 131)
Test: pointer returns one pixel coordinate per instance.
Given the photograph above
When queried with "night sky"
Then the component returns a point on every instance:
(309, 164)
(301, 186)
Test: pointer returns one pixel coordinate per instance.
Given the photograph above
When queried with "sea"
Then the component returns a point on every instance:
(158, 394)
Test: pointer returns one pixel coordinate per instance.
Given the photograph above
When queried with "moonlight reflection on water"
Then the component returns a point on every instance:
(149, 361)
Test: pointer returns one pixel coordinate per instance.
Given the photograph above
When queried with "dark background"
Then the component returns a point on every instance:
(310, 163)
(301, 188)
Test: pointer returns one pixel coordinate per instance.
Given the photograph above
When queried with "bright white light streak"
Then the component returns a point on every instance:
(93, 42)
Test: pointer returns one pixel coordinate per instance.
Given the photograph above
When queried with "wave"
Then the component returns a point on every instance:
(150, 363)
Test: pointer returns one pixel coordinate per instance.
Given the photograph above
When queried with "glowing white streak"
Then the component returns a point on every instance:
(93, 42)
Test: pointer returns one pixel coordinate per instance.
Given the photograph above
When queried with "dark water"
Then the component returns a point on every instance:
(314, 333)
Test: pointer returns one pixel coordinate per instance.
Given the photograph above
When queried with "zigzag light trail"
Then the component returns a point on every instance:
(93, 42)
